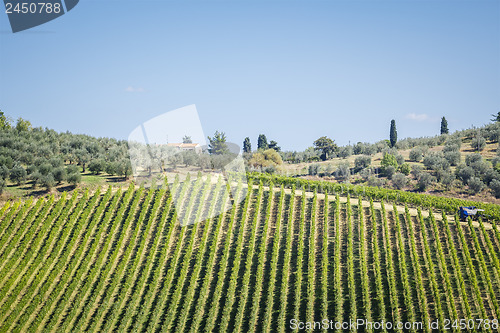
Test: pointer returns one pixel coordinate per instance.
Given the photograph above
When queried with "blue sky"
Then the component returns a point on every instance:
(292, 70)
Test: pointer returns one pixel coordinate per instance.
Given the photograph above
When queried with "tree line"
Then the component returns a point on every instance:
(46, 158)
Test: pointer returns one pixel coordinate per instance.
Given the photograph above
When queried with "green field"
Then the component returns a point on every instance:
(119, 261)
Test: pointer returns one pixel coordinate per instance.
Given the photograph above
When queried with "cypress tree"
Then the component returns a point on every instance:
(394, 133)
(444, 126)
(247, 146)
(262, 142)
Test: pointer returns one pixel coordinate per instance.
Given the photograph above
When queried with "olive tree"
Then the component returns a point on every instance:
(18, 174)
(362, 162)
(495, 187)
(475, 185)
(399, 180)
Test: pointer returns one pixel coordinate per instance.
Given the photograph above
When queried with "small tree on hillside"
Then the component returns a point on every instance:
(186, 139)
(343, 171)
(274, 145)
(416, 154)
(265, 158)
(475, 185)
(478, 143)
(4, 121)
(444, 126)
(262, 142)
(345, 151)
(389, 159)
(495, 187)
(18, 174)
(23, 125)
(74, 178)
(48, 182)
(325, 146)
(362, 162)
(399, 180)
(496, 117)
(247, 146)
(393, 134)
(217, 145)
(59, 174)
(424, 181)
(97, 166)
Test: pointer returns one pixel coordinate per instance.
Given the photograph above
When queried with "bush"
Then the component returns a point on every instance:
(400, 159)
(271, 169)
(56, 162)
(402, 145)
(464, 173)
(489, 175)
(424, 181)
(328, 169)
(435, 161)
(493, 132)
(59, 174)
(471, 159)
(478, 143)
(389, 171)
(2, 185)
(454, 141)
(475, 185)
(478, 164)
(45, 168)
(389, 160)
(110, 168)
(416, 171)
(313, 169)
(399, 180)
(18, 174)
(389, 164)
(48, 181)
(364, 148)
(345, 151)
(495, 187)
(96, 166)
(375, 181)
(405, 169)
(74, 178)
(72, 169)
(366, 173)
(265, 158)
(4, 172)
(7, 161)
(362, 162)
(343, 171)
(36, 177)
(445, 177)
(453, 157)
(31, 169)
(450, 147)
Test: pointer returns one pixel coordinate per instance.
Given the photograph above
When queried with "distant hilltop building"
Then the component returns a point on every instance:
(187, 146)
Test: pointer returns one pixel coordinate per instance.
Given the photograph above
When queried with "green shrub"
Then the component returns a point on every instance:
(399, 180)
(405, 169)
(475, 185)
(495, 187)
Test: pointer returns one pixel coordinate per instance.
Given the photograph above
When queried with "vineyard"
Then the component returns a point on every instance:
(118, 260)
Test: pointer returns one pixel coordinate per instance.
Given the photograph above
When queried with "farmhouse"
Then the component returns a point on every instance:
(186, 146)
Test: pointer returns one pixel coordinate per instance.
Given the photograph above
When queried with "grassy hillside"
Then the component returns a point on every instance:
(326, 170)
(116, 260)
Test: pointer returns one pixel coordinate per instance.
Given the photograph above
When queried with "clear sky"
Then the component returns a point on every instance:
(293, 70)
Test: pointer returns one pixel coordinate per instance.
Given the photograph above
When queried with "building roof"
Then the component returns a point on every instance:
(183, 145)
